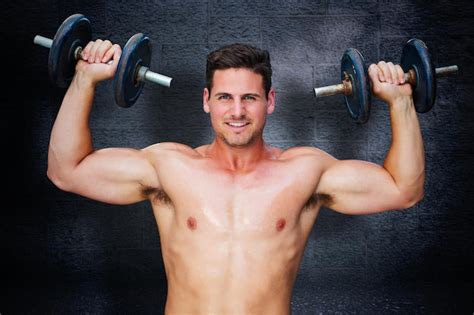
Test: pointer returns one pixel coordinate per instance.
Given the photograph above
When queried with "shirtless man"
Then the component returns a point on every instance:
(234, 215)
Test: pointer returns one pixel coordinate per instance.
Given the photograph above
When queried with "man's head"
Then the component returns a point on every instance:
(238, 93)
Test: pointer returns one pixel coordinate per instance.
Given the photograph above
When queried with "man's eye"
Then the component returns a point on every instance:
(249, 98)
(224, 97)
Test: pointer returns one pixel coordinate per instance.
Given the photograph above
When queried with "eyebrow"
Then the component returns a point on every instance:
(246, 94)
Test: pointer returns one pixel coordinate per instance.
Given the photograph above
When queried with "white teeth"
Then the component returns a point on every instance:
(237, 124)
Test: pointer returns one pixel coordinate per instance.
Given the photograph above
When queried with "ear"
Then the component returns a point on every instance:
(271, 101)
(205, 98)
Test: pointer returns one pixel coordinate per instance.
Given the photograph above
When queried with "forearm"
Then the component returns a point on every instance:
(405, 160)
(71, 139)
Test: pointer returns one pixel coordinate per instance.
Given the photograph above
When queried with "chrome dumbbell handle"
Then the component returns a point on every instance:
(442, 71)
(43, 41)
(343, 88)
(144, 74)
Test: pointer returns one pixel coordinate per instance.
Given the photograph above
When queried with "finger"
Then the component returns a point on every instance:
(101, 50)
(393, 73)
(109, 53)
(93, 52)
(383, 69)
(86, 51)
(373, 71)
(401, 74)
(374, 74)
(117, 52)
(387, 74)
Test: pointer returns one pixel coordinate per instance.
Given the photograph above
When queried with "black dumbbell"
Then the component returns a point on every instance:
(355, 85)
(133, 68)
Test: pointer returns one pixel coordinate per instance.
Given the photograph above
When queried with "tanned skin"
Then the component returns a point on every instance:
(233, 215)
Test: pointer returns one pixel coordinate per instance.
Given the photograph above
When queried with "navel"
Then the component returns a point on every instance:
(192, 223)
(280, 225)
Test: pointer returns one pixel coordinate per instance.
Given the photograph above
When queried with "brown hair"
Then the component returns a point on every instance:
(240, 56)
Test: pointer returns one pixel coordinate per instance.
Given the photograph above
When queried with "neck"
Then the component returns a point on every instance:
(239, 158)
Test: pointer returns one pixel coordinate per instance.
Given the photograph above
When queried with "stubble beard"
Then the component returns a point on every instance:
(240, 140)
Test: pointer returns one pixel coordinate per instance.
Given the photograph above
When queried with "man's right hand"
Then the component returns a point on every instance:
(99, 61)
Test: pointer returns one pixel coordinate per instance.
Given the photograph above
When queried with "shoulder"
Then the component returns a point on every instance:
(308, 162)
(308, 153)
(169, 148)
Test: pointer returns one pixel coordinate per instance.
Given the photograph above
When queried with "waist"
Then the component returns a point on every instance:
(249, 300)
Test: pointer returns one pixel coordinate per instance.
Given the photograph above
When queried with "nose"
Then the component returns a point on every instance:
(238, 109)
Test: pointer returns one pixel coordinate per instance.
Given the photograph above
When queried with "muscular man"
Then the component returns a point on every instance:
(234, 215)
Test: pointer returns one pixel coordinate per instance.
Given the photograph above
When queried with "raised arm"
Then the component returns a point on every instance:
(109, 175)
(359, 187)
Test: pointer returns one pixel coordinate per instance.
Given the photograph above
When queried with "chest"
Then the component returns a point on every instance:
(268, 200)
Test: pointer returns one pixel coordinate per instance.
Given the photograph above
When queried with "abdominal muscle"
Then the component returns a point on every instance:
(232, 243)
(213, 271)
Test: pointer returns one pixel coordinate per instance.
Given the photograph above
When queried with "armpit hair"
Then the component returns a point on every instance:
(156, 195)
(324, 199)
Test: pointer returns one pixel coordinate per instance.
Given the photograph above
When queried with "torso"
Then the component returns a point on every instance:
(232, 242)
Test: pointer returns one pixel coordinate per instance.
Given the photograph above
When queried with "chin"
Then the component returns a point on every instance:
(239, 141)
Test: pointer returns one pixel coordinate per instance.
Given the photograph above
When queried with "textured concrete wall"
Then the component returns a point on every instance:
(65, 254)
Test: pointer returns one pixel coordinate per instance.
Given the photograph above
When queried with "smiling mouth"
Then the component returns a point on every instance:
(239, 124)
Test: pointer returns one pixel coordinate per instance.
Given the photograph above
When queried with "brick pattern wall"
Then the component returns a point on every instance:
(68, 254)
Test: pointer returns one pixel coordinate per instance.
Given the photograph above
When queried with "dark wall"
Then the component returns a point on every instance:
(62, 253)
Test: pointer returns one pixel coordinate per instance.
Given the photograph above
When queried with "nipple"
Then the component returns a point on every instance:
(280, 225)
(192, 224)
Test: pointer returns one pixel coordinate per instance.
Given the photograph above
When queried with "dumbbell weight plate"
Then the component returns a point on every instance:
(415, 56)
(135, 53)
(357, 102)
(75, 31)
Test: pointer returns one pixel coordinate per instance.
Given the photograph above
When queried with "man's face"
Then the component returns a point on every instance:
(238, 105)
